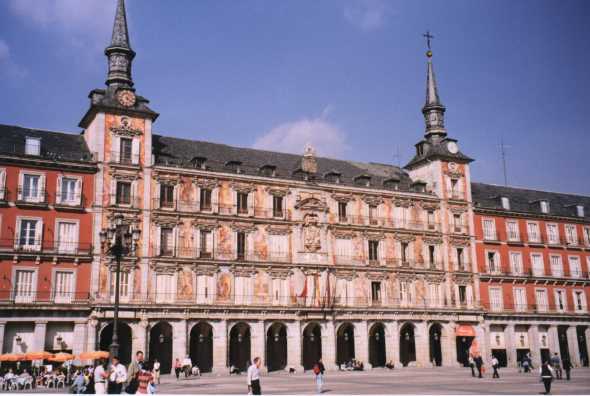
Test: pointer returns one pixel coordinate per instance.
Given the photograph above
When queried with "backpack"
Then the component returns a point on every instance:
(316, 369)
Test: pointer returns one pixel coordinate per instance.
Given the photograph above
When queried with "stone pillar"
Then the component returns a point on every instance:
(553, 340)
(395, 343)
(449, 346)
(219, 346)
(390, 342)
(139, 338)
(422, 345)
(91, 334)
(587, 335)
(329, 345)
(361, 343)
(39, 337)
(572, 343)
(80, 337)
(2, 328)
(482, 335)
(179, 339)
(294, 337)
(535, 345)
(258, 339)
(510, 343)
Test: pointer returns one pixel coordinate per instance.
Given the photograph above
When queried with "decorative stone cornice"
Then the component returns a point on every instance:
(456, 241)
(124, 175)
(374, 236)
(343, 234)
(125, 129)
(463, 280)
(344, 198)
(206, 183)
(163, 268)
(207, 270)
(372, 200)
(377, 276)
(166, 220)
(457, 209)
(345, 275)
(427, 205)
(278, 192)
(432, 241)
(278, 229)
(203, 224)
(242, 227)
(311, 203)
(166, 178)
(404, 237)
(402, 202)
(245, 188)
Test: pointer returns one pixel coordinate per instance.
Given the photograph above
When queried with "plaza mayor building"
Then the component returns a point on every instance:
(236, 253)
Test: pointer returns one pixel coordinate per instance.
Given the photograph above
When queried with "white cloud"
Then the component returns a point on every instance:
(8, 68)
(291, 137)
(368, 14)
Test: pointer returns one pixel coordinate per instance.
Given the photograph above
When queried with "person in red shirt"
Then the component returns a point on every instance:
(145, 379)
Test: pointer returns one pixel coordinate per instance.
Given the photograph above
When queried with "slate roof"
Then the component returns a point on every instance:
(487, 196)
(181, 152)
(54, 145)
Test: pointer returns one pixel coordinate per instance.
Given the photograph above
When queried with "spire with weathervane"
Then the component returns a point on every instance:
(119, 52)
(433, 110)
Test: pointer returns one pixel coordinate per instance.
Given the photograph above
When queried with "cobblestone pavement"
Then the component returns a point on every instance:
(399, 381)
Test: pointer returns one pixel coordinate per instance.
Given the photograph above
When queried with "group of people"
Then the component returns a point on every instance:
(16, 379)
(352, 365)
(186, 367)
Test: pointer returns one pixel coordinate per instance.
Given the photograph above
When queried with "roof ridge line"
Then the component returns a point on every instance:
(530, 189)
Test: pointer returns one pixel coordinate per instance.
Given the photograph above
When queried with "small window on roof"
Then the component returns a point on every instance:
(199, 162)
(363, 180)
(32, 146)
(268, 170)
(544, 206)
(333, 177)
(391, 183)
(234, 166)
(580, 210)
(505, 203)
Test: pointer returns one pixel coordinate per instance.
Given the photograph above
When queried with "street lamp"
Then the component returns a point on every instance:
(117, 241)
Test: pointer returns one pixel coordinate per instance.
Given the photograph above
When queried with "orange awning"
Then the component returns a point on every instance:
(465, 331)
(93, 355)
(61, 357)
(12, 357)
(38, 355)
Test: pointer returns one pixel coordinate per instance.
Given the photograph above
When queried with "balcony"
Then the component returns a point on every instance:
(525, 308)
(32, 197)
(124, 202)
(31, 297)
(35, 246)
(73, 202)
(456, 195)
(121, 158)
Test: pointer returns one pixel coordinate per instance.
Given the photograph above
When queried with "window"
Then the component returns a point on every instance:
(430, 220)
(206, 243)
(516, 263)
(579, 301)
(533, 232)
(552, 234)
(166, 196)
(31, 188)
(242, 203)
(165, 290)
(67, 237)
(32, 146)
(435, 295)
(405, 292)
(205, 202)
(493, 262)
(277, 206)
(124, 288)
(575, 266)
(241, 245)
(463, 294)
(68, 191)
(520, 299)
(512, 228)
(545, 206)
(2, 184)
(373, 250)
(29, 234)
(496, 303)
(556, 265)
(432, 255)
(586, 234)
(342, 212)
(538, 265)
(505, 203)
(404, 252)
(580, 210)
(457, 223)
(373, 217)
(376, 292)
(392, 184)
(64, 287)
(279, 247)
(454, 188)
(541, 297)
(24, 287)
(123, 193)
(166, 241)
(560, 304)
(343, 250)
(489, 229)
(125, 150)
(571, 234)
(460, 259)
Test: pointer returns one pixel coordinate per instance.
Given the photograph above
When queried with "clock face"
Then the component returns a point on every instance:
(452, 147)
(126, 98)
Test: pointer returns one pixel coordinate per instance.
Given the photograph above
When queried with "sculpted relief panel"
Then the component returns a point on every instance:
(311, 233)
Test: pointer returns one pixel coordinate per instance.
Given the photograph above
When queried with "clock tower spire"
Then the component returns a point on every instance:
(433, 110)
(119, 52)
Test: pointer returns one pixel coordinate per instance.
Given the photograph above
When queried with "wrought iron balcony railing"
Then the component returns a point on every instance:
(39, 246)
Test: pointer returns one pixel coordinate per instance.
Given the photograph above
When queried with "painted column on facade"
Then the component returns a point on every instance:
(294, 336)
(39, 337)
(535, 344)
(219, 346)
(361, 344)
(422, 345)
(390, 347)
(572, 342)
(510, 342)
(80, 337)
(329, 345)
(179, 338)
(449, 346)
(553, 339)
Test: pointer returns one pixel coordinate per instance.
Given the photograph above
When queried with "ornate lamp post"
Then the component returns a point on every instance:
(117, 241)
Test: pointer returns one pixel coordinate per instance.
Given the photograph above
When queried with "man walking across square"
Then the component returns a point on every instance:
(495, 365)
(253, 377)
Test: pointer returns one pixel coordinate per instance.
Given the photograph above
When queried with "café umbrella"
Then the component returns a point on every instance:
(38, 355)
(61, 357)
(12, 357)
(93, 355)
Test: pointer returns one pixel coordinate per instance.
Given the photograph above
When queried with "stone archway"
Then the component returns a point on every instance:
(407, 344)
(276, 347)
(201, 346)
(239, 346)
(435, 334)
(345, 343)
(312, 345)
(124, 334)
(161, 336)
(377, 348)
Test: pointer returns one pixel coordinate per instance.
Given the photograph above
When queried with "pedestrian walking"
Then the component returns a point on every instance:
(495, 366)
(101, 377)
(479, 364)
(157, 371)
(144, 379)
(117, 377)
(567, 366)
(471, 363)
(253, 377)
(556, 363)
(133, 371)
(318, 371)
(547, 374)
(177, 368)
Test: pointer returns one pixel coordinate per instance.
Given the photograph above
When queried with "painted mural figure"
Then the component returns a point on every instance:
(311, 234)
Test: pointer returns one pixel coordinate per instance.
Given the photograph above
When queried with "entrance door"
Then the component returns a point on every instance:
(377, 345)
(312, 345)
(545, 355)
(521, 354)
(463, 345)
(435, 347)
(407, 345)
(345, 344)
(582, 345)
(276, 347)
(161, 346)
(563, 344)
(239, 346)
(501, 355)
(124, 335)
(201, 346)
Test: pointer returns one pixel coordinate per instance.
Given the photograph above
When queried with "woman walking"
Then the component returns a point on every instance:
(547, 374)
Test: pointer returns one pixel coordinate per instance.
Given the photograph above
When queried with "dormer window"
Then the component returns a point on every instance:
(363, 180)
(505, 203)
(419, 186)
(32, 146)
(580, 210)
(301, 174)
(268, 170)
(199, 162)
(332, 176)
(544, 206)
(234, 166)
(391, 183)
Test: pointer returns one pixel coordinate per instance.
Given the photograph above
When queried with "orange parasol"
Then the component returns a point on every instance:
(61, 357)
(38, 355)
(12, 357)
(93, 355)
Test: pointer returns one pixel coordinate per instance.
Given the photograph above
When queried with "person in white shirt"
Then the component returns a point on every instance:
(100, 377)
(187, 364)
(495, 366)
(156, 370)
(253, 377)
(117, 376)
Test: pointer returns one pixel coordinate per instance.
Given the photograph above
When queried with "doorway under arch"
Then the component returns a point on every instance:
(377, 352)
(345, 343)
(276, 347)
(239, 346)
(201, 346)
(312, 345)
(125, 336)
(407, 344)
(161, 346)
(435, 334)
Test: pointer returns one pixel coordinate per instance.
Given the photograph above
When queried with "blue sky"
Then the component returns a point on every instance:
(347, 76)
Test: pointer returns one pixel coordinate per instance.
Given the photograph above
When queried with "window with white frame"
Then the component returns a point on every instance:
(560, 300)
(571, 234)
(435, 295)
(552, 234)
(343, 250)
(493, 261)
(373, 250)
(63, 290)
(520, 299)
(575, 266)
(124, 286)
(489, 229)
(541, 300)
(165, 290)
(579, 301)
(31, 187)
(533, 232)
(68, 190)
(512, 228)
(278, 247)
(2, 184)
(496, 302)
(67, 236)
(405, 292)
(538, 264)
(32, 146)
(580, 210)
(587, 235)
(505, 203)
(205, 243)
(457, 223)
(544, 206)
(25, 285)
(556, 265)
(516, 263)
(28, 234)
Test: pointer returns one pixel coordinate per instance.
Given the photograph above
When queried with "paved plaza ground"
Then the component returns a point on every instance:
(399, 381)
